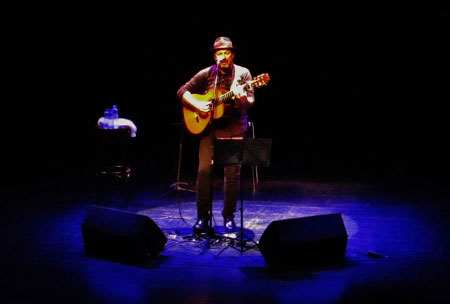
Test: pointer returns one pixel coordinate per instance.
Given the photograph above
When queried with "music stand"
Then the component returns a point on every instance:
(249, 151)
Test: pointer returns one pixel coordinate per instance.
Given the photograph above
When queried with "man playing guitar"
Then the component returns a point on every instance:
(229, 122)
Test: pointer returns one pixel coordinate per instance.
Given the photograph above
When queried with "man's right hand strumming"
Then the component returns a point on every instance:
(201, 106)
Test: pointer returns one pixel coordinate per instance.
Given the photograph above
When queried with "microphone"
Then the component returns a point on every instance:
(219, 59)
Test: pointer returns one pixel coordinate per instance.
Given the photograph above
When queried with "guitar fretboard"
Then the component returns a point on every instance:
(223, 98)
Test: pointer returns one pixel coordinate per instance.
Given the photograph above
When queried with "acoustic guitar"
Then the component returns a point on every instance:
(196, 121)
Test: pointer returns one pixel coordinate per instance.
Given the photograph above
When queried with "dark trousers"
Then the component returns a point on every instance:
(204, 180)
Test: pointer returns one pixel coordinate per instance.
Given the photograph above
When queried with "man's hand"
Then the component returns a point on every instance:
(202, 106)
(239, 95)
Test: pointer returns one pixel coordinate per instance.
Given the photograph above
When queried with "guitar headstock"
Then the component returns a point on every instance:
(260, 80)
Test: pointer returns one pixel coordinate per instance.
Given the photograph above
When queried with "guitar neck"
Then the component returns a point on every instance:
(227, 96)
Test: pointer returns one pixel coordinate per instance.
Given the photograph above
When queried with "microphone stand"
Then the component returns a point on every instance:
(210, 230)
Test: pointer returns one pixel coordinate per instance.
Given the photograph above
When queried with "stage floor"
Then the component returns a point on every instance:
(398, 248)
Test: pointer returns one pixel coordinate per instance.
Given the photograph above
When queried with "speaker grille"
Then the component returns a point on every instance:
(121, 235)
(303, 241)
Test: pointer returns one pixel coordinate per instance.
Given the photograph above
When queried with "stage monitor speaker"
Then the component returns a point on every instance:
(304, 241)
(120, 235)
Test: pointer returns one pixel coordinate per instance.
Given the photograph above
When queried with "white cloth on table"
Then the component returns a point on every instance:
(119, 123)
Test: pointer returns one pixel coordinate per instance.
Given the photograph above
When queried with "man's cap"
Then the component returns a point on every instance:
(223, 43)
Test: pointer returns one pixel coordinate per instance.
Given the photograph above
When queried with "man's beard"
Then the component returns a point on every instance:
(225, 70)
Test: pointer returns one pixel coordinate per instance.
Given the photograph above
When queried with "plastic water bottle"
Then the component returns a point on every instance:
(106, 119)
(115, 117)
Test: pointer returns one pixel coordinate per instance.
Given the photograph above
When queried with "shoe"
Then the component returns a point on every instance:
(229, 225)
(201, 226)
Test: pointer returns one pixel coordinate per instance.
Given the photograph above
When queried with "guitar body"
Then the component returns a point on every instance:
(196, 122)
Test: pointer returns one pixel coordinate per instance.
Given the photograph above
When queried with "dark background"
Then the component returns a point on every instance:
(357, 91)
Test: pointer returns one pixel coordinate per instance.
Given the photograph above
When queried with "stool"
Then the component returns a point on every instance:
(113, 171)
